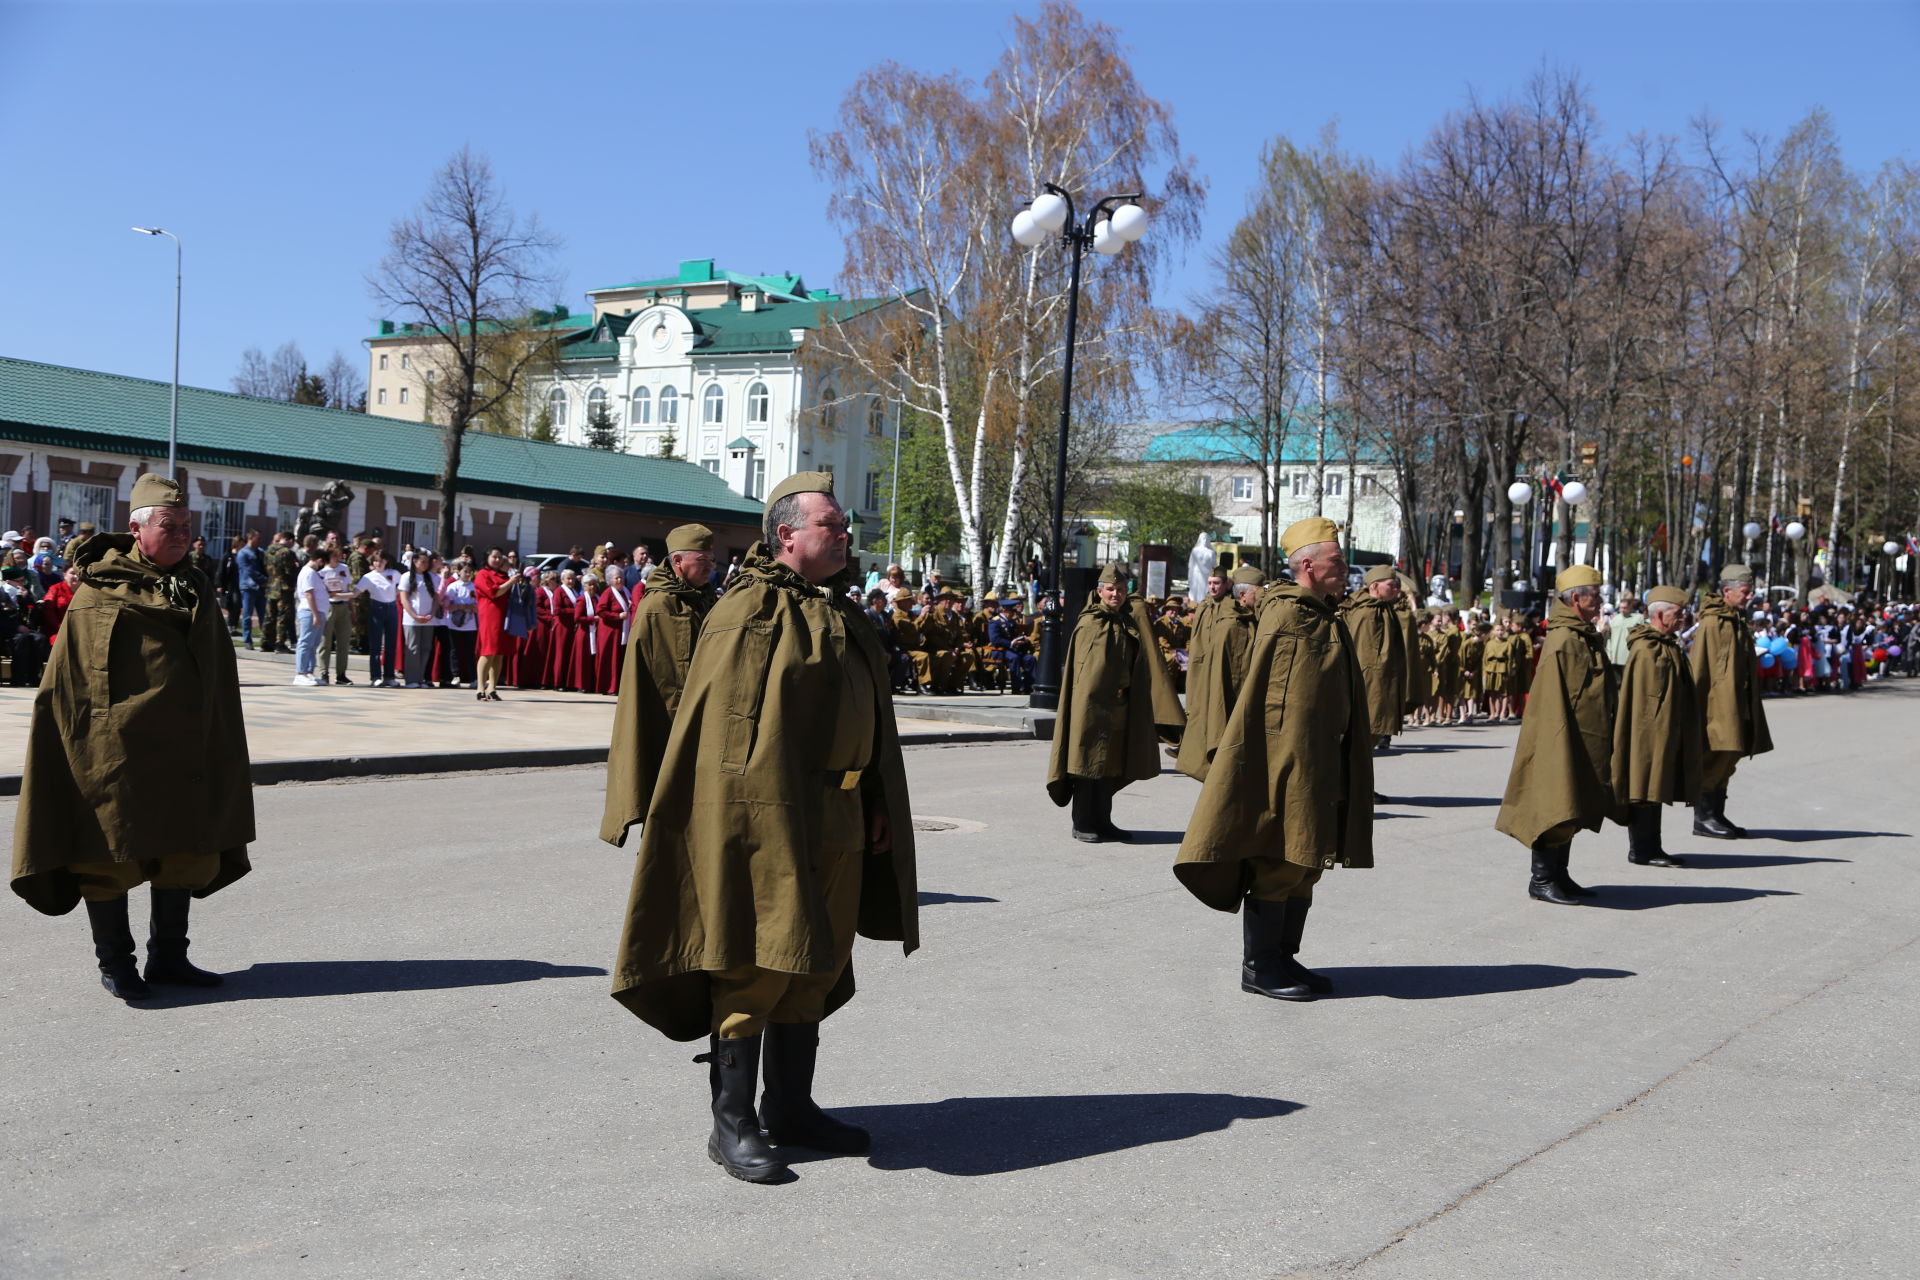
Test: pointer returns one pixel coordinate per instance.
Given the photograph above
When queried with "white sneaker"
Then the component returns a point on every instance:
(305, 681)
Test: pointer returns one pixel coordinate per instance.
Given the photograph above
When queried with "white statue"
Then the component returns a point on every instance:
(1200, 562)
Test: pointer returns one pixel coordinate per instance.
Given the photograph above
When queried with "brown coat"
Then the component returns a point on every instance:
(1169, 716)
(1723, 675)
(1380, 645)
(1104, 728)
(138, 748)
(1657, 742)
(1221, 644)
(1419, 683)
(1293, 774)
(1563, 766)
(666, 628)
(726, 872)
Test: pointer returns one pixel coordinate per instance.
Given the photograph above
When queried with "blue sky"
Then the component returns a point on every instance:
(280, 139)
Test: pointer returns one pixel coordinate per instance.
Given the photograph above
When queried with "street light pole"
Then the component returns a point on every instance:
(1049, 213)
(173, 407)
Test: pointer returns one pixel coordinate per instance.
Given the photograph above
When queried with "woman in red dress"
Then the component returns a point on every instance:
(536, 651)
(490, 587)
(586, 638)
(566, 614)
(613, 618)
(53, 605)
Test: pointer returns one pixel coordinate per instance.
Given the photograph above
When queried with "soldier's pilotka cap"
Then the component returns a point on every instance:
(802, 482)
(1576, 575)
(1248, 576)
(1308, 532)
(151, 490)
(690, 537)
(1666, 595)
(1381, 573)
(902, 596)
(1736, 575)
(1113, 575)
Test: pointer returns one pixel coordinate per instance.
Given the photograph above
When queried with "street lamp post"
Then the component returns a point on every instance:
(1104, 233)
(173, 407)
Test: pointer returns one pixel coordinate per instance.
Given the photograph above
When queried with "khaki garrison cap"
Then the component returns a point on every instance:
(151, 490)
(802, 482)
(1666, 595)
(1248, 576)
(1381, 573)
(1737, 574)
(1306, 533)
(1113, 574)
(690, 537)
(1576, 575)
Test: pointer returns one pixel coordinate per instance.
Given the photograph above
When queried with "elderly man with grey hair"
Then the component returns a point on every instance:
(1729, 689)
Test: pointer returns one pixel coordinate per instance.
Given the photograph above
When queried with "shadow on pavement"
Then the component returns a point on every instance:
(1445, 802)
(1808, 837)
(293, 980)
(1727, 861)
(1644, 897)
(1453, 746)
(1155, 837)
(1444, 981)
(933, 899)
(968, 1137)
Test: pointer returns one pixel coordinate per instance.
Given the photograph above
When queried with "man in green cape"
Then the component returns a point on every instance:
(1729, 689)
(137, 769)
(1103, 734)
(779, 829)
(1657, 740)
(1217, 655)
(1562, 776)
(666, 627)
(1373, 615)
(1287, 794)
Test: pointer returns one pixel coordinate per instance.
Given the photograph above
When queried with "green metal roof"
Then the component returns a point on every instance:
(727, 327)
(702, 271)
(1235, 442)
(52, 405)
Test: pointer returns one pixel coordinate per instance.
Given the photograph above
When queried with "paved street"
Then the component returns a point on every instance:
(415, 1071)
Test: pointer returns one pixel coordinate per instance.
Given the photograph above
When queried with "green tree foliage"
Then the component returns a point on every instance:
(602, 431)
(927, 514)
(1160, 505)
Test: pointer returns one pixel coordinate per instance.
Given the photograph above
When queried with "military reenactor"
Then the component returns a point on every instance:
(197, 557)
(1104, 736)
(1562, 776)
(906, 634)
(359, 560)
(158, 792)
(1729, 689)
(779, 828)
(1495, 653)
(665, 632)
(1007, 636)
(1657, 733)
(278, 631)
(1169, 715)
(1287, 795)
(1372, 614)
(1222, 642)
(1446, 665)
(988, 673)
(945, 635)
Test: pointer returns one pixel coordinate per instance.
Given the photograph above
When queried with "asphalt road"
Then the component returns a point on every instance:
(415, 1071)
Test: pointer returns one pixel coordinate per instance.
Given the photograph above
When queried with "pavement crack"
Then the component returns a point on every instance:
(1625, 1108)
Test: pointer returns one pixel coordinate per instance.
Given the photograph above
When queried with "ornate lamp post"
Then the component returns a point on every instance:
(1106, 233)
(173, 409)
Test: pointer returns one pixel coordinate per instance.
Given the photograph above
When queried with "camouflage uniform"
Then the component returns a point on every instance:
(276, 626)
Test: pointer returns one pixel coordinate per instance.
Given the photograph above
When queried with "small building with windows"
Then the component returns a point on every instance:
(708, 366)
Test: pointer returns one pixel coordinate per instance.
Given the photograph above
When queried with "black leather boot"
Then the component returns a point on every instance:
(1643, 838)
(1549, 870)
(1265, 967)
(167, 942)
(788, 1112)
(1103, 813)
(1086, 811)
(1720, 812)
(1706, 817)
(1294, 923)
(113, 948)
(736, 1143)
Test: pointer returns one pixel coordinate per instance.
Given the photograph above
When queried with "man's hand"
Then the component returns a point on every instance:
(879, 833)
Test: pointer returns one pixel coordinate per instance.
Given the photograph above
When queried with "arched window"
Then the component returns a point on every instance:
(759, 404)
(876, 415)
(640, 412)
(713, 405)
(669, 406)
(557, 406)
(596, 400)
(829, 411)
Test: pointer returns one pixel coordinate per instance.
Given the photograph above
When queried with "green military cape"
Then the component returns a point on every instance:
(666, 627)
(1657, 743)
(1275, 787)
(1563, 766)
(1169, 717)
(1380, 645)
(1519, 664)
(1724, 677)
(1419, 685)
(725, 876)
(137, 748)
(1105, 724)
(1217, 654)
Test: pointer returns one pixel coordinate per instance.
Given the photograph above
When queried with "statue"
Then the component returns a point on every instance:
(322, 515)
(1200, 562)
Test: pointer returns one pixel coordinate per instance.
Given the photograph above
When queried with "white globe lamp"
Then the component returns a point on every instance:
(1129, 222)
(1049, 211)
(1026, 230)
(1519, 493)
(1891, 547)
(1751, 530)
(1104, 240)
(1574, 492)
(1795, 531)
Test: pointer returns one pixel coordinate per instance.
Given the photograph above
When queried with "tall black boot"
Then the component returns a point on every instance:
(1549, 868)
(736, 1143)
(1103, 813)
(1643, 838)
(1720, 812)
(1706, 817)
(167, 943)
(113, 947)
(787, 1110)
(1265, 966)
(1294, 923)
(1086, 811)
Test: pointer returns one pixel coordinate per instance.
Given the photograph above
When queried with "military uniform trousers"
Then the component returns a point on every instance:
(1277, 880)
(922, 667)
(746, 999)
(106, 880)
(1716, 769)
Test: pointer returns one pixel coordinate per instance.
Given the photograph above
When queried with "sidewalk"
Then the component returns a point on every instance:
(298, 734)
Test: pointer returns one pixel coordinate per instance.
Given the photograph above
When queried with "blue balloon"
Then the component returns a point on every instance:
(1780, 646)
(1766, 660)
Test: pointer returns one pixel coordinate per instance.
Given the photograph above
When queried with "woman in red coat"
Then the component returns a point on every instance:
(614, 617)
(566, 613)
(582, 663)
(490, 587)
(53, 605)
